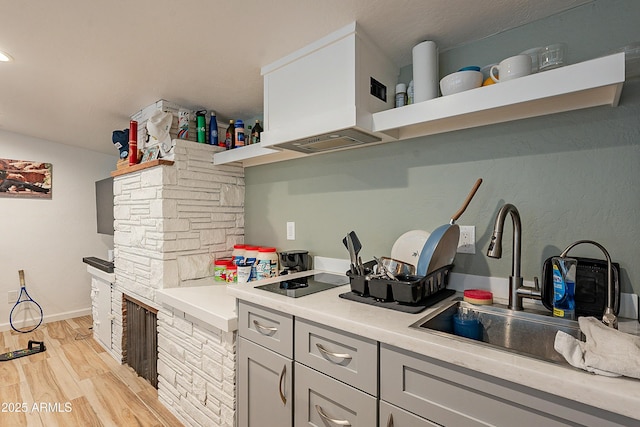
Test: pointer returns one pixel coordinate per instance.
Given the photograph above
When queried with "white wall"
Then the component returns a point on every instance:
(47, 238)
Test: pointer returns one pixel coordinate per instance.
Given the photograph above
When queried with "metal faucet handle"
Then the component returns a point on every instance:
(609, 319)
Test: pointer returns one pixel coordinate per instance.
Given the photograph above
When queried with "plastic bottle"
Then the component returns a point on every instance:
(267, 263)
(410, 93)
(201, 126)
(237, 255)
(255, 133)
(229, 140)
(401, 95)
(183, 123)
(133, 142)
(250, 258)
(247, 136)
(213, 129)
(564, 285)
(239, 133)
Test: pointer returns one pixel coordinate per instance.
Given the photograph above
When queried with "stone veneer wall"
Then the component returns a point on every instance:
(196, 367)
(171, 221)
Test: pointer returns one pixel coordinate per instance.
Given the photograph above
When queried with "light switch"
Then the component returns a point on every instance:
(291, 230)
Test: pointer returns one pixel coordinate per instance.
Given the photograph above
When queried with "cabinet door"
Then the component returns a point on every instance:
(264, 387)
(269, 328)
(341, 355)
(102, 324)
(392, 416)
(322, 401)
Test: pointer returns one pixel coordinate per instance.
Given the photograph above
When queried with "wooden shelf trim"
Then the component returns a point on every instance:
(142, 166)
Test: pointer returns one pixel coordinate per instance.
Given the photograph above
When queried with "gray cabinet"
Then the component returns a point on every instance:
(265, 367)
(341, 355)
(264, 387)
(336, 373)
(454, 396)
(342, 379)
(269, 328)
(322, 401)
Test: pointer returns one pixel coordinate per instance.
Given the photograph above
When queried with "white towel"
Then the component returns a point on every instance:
(607, 351)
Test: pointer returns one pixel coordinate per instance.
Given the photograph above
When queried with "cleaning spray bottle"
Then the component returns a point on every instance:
(564, 286)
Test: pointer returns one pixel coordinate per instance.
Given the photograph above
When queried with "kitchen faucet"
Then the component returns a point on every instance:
(517, 291)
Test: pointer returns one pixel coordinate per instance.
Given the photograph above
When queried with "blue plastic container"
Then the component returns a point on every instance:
(468, 328)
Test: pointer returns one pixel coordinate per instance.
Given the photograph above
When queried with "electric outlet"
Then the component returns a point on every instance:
(12, 297)
(467, 242)
(291, 230)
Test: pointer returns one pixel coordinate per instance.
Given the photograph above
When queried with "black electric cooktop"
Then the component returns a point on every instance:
(306, 285)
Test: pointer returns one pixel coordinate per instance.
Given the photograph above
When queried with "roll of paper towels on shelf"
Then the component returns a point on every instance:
(425, 71)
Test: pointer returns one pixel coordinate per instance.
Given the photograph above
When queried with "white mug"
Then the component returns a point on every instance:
(511, 68)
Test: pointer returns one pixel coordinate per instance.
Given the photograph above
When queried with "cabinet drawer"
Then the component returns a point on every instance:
(341, 355)
(270, 328)
(323, 401)
(392, 416)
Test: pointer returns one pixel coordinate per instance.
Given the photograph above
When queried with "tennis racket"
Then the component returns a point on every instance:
(26, 311)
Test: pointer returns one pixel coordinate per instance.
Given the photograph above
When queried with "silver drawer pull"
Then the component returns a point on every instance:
(282, 374)
(390, 420)
(331, 420)
(326, 352)
(265, 330)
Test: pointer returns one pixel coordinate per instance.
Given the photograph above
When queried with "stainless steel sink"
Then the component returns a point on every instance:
(523, 332)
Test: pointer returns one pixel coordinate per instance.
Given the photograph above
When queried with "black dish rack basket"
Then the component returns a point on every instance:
(405, 290)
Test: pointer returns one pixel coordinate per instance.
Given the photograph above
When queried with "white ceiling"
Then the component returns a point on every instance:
(83, 67)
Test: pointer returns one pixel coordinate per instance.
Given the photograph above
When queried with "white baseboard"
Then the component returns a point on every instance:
(54, 317)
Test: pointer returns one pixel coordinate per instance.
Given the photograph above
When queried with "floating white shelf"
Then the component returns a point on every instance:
(592, 83)
(587, 84)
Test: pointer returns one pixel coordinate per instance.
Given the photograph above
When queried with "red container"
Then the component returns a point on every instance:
(133, 143)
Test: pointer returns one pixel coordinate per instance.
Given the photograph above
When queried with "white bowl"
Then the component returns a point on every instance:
(460, 81)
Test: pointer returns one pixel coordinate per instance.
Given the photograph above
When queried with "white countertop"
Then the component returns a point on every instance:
(620, 395)
(210, 304)
(107, 277)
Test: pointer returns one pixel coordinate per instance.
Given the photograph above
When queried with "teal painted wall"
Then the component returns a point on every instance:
(572, 176)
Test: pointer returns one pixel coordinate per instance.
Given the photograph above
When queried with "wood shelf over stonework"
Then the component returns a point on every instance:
(141, 166)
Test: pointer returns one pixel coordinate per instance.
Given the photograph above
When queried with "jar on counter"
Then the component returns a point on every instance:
(250, 258)
(267, 263)
(220, 270)
(237, 255)
(232, 273)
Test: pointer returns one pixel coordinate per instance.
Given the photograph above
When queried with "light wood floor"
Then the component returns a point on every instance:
(75, 382)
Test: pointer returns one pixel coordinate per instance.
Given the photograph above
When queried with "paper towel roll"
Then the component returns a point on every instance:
(425, 71)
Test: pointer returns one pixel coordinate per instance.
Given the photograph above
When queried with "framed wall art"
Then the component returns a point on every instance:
(24, 178)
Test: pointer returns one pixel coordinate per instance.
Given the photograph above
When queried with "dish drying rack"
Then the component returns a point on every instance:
(408, 293)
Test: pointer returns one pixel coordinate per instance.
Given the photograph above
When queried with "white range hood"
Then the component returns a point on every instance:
(322, 97)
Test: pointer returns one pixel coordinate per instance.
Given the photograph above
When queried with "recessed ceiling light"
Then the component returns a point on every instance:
(5, 57)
